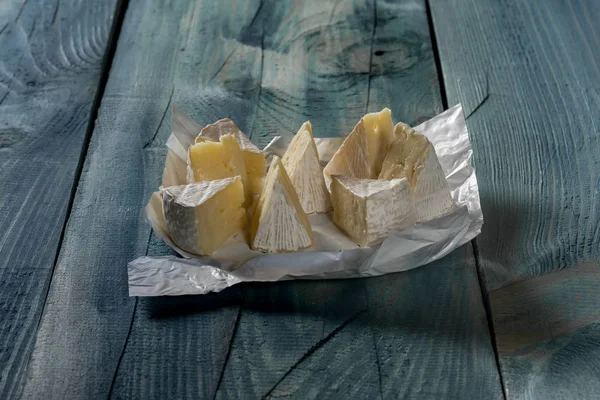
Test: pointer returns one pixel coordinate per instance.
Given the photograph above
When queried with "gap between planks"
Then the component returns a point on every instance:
(485, 297)
(111, 47)
(480, 277)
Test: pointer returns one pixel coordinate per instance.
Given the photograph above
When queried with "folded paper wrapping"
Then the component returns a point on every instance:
(334, 256)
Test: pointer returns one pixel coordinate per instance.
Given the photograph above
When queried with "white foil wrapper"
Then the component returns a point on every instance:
(334, 255)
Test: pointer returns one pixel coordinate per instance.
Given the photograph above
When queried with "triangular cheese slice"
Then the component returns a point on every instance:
(256, 163)
(201, 216)
(301, 162)
(413, 157)
(368, 210)
(279, 223)
(362, 153)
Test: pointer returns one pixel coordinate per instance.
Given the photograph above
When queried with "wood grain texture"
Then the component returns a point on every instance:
(51, 55)
(430, 333)
(269, 66)
(533, 72)
(548, 334)
(528, 76)
(94, 341)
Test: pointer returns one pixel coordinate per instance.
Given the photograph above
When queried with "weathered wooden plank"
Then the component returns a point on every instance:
(548, 334)
(430, 332)
(526, 72)
(530, 71)
(93, 341)
(51, 55)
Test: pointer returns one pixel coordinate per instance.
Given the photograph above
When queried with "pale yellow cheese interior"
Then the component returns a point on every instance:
(220, 217)
(379, 129)
(256, 168)
(407, 153)
(217, 160)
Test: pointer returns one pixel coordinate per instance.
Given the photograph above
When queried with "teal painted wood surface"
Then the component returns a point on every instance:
(531, 72)
(269, 66)
(51, 58)
(528, 74)
(548, 331)
(423, 335)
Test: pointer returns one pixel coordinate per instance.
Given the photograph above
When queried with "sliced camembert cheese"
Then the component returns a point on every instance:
(256, 163)
(301, 162)
(209, 160)
(201, 216)
(368, 210)
(362, 153)
(279, 223)
(413, 157)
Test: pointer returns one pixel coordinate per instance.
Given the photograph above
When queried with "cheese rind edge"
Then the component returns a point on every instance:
(301, 161)
(368, 210)
(201, 216)
(279, 223)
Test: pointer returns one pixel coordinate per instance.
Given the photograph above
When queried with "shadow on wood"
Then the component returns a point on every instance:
(548, 333)
(177, 306)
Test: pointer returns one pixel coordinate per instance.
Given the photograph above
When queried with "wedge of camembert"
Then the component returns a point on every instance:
(208, 161)
(279, 223)
(256, 163)
(413, 157)
(201, 216)
(368, 210)
(362, 153)
(301, 162)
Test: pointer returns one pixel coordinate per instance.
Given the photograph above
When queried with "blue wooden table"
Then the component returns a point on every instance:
(85, 95)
